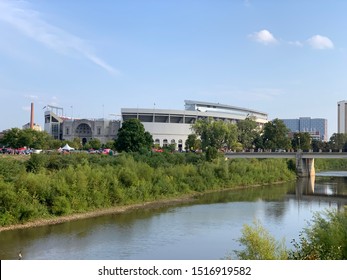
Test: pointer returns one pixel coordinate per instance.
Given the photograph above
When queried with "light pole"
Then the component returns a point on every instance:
(299, 142)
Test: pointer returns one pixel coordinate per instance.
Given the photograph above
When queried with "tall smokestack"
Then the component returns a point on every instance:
(32, 116)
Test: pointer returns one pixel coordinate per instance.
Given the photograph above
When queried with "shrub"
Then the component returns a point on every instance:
(324, 239)
(260, 245)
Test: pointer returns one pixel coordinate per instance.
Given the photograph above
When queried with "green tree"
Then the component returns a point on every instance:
(319, 145)
(132, 137)
(275, 135)
(215, 133)
(77, 143)
(17, 138)
(301, 140)
(11, 138)
(337, 141)
(247, 132)
(94, 144)
(192, 143)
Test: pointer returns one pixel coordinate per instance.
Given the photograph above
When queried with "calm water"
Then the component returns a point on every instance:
(206, 229)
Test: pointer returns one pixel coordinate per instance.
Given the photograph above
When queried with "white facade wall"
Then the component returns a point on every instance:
(168, 131)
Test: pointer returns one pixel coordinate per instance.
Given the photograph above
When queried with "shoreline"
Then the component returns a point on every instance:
(124, 208)
(101, 212)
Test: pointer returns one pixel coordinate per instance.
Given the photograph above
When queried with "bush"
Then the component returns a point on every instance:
(325, 239)
(260, 245)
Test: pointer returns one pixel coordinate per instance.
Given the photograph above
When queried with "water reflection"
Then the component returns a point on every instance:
(207, 228)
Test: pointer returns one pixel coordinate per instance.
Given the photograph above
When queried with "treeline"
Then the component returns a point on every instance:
(46, 186)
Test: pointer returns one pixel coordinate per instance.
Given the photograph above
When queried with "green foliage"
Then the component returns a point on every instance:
(10, 168)
(260, 245)
(301, 140)
(93, 144)
(275, 135)
(215, 133)
(338, 141)
(211, 153)
(247, 132)
(132, 137)
(36, 163)
(192, 143)
(330, 164)
(57, 184)
(324, 239)
(17, 138)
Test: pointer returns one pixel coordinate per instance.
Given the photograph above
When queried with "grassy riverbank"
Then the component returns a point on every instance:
(330, 164)
(47, 187)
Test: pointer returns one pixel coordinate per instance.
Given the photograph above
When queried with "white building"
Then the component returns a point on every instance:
(342, 116)
(174, 126)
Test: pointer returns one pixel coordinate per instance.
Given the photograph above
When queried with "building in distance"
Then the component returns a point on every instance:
(317, 128)
(172, 127)
(342, 116)
(66, 128)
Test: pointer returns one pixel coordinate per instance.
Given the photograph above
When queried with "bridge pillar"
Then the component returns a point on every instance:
(304, 166)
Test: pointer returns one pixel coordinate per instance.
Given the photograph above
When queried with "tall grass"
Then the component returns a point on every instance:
(55, 185)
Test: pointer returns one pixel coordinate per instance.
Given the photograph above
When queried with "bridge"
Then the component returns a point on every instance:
(304, 160)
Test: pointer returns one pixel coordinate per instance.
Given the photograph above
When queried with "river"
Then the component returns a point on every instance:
(208, 228)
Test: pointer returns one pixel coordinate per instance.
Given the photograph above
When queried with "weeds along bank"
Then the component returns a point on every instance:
(46, 186)
(330, 164)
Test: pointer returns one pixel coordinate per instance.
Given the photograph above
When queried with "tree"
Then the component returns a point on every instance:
(94, 144)
(215, 133)
(301, 140)
(11, 138)
(319, 145)
(275, 135)
(17, 138)
(338, 141)
(192, 143)
(247, 132)
(132, 137)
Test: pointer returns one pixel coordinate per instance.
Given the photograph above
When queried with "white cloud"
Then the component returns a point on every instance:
(264, 37)
(295, 43)
(30, 23)
(31, 96)
(320, 42)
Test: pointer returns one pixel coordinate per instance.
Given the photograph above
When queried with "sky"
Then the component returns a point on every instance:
(284, 58)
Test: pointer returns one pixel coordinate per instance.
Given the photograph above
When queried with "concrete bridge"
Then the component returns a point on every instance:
(304, 160)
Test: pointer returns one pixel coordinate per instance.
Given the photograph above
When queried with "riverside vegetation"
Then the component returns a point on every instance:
(46, 186)
(324, 239)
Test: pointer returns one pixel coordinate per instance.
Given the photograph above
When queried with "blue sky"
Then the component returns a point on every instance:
(285, 58)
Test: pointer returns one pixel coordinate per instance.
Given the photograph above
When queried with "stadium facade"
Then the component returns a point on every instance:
(64, 128)
(166, 126)
(173, 126)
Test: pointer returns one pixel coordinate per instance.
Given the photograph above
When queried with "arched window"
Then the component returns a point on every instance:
(165, 142)
(173, 141)
(157, 142)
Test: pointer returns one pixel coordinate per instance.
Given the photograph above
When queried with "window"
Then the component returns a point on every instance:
(165, 142)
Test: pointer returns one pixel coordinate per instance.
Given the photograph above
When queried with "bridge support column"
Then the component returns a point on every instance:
(304, 166)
